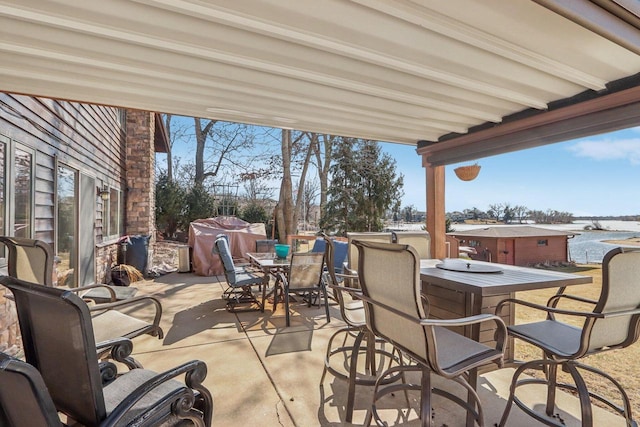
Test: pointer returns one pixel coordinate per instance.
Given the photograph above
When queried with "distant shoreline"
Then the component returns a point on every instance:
(632, 241)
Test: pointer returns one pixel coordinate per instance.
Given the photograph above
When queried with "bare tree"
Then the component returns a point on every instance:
(176, 132)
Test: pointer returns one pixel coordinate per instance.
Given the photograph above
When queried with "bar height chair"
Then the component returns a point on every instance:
(353, 314)
(612, 324)
(389, 276)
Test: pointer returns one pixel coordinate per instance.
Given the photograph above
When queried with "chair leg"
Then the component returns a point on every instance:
(326, 304)
(286, 305)
(425, 399)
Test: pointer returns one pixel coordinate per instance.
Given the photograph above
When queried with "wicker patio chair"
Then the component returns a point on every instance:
(613, 323)
(352, 313)
(389, 276)
(58, 340)
(240, 279)
(24, 398)
(32, 261)
(304, 277)
(420, 240)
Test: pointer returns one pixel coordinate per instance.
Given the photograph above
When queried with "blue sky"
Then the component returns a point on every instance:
(594, 176)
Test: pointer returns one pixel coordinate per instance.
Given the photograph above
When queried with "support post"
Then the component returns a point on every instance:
(435, 209)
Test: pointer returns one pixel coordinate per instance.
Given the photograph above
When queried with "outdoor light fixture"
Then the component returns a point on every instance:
(103, 193)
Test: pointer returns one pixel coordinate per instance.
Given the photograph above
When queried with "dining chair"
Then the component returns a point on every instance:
(420, 240)
(58, 341)
(612, 323)
(352, 251)
(353, 314)
(389, 276)
(240, 279)
(304, 277)
(24, 398)
(31, 260)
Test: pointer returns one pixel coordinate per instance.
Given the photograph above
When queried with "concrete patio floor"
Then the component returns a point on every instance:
(263, 373)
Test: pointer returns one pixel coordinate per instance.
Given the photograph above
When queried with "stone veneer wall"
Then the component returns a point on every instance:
(10, 340)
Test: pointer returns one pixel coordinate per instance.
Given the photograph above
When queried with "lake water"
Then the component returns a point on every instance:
(587, 246)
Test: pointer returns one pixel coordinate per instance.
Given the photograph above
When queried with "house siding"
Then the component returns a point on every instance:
(90, 139)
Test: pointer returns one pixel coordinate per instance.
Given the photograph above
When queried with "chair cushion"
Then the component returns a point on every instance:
(354, 311)
(550, 335)
(124, 385)
(112, 323)
(245, 278)
(455, 350)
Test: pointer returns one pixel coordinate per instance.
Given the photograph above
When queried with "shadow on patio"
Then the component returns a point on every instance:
(263, 373)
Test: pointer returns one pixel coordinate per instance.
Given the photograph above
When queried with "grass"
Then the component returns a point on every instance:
(621, 364)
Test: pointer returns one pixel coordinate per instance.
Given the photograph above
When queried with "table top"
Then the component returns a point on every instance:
(511, 279)
(268, 260)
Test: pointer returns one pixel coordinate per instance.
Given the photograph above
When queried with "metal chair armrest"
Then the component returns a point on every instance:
(195, 372)
(551, 311)
(80, 291)
(134, 301)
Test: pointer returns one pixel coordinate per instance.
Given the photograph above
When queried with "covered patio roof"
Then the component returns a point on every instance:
(467, 78)
(457, 79)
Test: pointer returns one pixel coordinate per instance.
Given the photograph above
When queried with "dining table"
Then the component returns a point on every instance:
(458, 288)
(271, 266)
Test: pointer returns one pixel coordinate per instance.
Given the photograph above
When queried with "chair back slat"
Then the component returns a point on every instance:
(390, 274)
(352, 251)
(28, 259)
(305, 270)
(620, 291)
(58, 340)
(419, 240)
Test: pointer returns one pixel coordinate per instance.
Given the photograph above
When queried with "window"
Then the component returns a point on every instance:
(112, 211)
(66, 230)
(475, 243)
(543, 242)
(23, 204)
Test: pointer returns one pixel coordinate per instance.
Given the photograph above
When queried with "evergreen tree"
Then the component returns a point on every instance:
(199, 204)
(364, 186)
(170, 199)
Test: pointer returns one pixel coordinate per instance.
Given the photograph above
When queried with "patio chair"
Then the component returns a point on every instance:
(339, 252)
(24, 398)
(420, 240)
(239, 279)
(304, 277)
(389, 276)
(32, 261)
(265, 245)
(352, 313)
(58, 340)
(611, 324)
(352, 252)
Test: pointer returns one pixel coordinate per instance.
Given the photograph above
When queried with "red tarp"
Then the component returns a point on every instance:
(202, 234)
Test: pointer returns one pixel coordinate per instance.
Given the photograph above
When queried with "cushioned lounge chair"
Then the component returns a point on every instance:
(389, 276)
(612, 323)
(58, 339)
